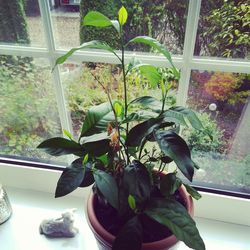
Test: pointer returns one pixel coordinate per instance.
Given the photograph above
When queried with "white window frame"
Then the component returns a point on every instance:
(212, 206)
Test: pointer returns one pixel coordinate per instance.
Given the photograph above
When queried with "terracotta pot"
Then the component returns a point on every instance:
(105, 239)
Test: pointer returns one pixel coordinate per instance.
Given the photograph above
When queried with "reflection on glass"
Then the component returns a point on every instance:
(222, 149)
(83, 88)
(21, 23)
(28, 107)
(224, 29)
(164, 20)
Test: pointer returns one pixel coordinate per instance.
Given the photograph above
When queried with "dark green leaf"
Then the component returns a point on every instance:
(166, 159)
(169, 184)
(88, 45)
(173, 215)
(153, 43)
(107, 185)
(130, 236)
(173, 146)
(97, 144)
(148, 102)
(88, 176)
(136, 181)
(174, 116)
(195, 194)
(190, 115)
(97, 119)
(140, 115)
(60, 146)
(70, 179)
(140, 131)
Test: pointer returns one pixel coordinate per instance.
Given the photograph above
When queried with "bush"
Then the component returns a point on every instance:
(25, 109)
(209, 139)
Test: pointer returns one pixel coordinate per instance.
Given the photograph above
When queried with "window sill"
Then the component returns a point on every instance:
(21, 231)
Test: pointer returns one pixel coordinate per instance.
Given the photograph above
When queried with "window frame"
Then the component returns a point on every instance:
(186, 62)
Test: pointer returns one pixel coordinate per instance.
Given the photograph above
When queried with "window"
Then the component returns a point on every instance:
(214, 61)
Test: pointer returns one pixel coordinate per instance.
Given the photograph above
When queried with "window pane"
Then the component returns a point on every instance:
(222, 150)
(21, 23)
(164, 20)
(224, 29)
(83, 90)
(27, 106)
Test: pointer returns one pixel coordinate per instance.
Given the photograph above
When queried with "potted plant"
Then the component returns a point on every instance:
(135, 204)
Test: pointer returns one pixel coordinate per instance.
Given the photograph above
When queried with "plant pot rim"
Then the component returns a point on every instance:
(103, 235)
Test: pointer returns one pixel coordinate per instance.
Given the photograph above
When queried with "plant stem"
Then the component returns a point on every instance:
(125, 92)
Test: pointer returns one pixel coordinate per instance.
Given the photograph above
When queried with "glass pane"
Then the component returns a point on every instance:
(222, 150)
(27, 106)
(21, 23)
(164, 20)
(82, 85)
(224, 29)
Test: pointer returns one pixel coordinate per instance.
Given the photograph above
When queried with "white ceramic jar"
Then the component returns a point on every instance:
(5, 207)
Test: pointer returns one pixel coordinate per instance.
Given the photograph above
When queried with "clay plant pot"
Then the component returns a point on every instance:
(105, 239)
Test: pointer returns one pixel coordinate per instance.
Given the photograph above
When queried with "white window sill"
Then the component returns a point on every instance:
(21, 231)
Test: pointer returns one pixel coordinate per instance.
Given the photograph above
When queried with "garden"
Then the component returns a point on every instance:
(28, 107)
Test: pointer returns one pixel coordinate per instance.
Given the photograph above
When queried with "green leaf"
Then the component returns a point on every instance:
(140, 115)
(97, 119)
(174, 116)
(130, 236)
(157, 46)
(140, 131)
(173, 215)
(149, 72)
(107, 185)
(136, 181)
(119, 109)
(88, 45)
(195, 194)
(190, 115)
(131, 202)
(148, 102)
(97, 19)
(60, 146)
(88, 176)
(122, 15)
(70, 179)
(68, 134)
(169, 184)
(97, 144)
(173, 146)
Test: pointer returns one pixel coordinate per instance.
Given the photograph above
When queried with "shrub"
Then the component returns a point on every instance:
(209, 139)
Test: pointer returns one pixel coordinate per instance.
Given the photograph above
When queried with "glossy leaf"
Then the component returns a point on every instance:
(194, 193)
(88, 45)
(130, 236)
(153, 43)
(140, 131)
(140, 115)
(60, 146)
(174, 116)
(122, 15)
(169, 184)
(148, 102)
(136, 180)
(96, 119)
(97, 19)
(190, 115)
(70, 179)
(173, 215)
(107, 186)
(173, 146)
